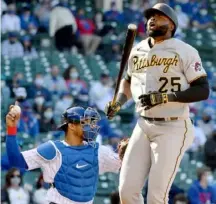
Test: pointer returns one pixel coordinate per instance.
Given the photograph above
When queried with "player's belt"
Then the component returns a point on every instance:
(161, 119)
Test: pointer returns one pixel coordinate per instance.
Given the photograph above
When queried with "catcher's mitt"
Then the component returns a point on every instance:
(122, 146)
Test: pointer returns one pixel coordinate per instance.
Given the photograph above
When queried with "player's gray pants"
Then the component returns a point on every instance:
(154, 151)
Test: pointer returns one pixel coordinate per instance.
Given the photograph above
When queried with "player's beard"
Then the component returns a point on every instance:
(160, 31)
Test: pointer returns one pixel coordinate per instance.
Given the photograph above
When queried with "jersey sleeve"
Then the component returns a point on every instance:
(33, 159)
(192, 67)
(108, 160)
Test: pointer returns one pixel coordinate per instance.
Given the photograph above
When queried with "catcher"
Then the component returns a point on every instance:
(71, 166)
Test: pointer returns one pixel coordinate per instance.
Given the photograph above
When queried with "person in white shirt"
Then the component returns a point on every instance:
(101, 92)
(12, 47)
(71, 166)
(13, 192)
(62, 27)
(39, 195)
(10, 21)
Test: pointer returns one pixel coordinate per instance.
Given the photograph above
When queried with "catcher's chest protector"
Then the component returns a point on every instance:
(78, 175)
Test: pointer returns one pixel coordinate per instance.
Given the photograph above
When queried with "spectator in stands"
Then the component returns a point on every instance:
(202, 20)
(20, 95)
(47, 122)
(101, 28)
(115, 53)
(189, 7)
(29, 51)
(12, 47)
(13, 192)
(39, 105)
(5, 94)
(200, 191)
(18, 80)
(28, 21)
(76, 86)
(206, 124)
(38, 87)
(98, 21)
(183, 19)
(65, 102)
(10, 21)
(132, 14)
(114, 198)
(174, 191)
(113, 14)
(39, 195)
(180, 199)
(86, 28)
(100, 98)
(28, 123)
(210, 151)
(73, 81)
(42, 11)
(54, 82)
(62, 27)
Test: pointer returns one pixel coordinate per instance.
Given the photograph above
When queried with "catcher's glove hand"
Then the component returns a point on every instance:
(153, 99)
(111, 110)
(122, 146)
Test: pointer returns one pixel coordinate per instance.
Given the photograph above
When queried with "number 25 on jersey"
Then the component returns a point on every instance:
(174, 81)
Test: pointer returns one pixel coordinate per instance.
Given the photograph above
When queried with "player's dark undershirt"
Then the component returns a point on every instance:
(198, 91)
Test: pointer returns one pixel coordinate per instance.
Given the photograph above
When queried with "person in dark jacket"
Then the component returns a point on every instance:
(210, 151)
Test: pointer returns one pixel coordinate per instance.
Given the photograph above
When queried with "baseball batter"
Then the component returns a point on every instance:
(164, 75)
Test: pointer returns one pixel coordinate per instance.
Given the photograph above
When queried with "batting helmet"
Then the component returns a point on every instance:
(164, 9)
(88, 118)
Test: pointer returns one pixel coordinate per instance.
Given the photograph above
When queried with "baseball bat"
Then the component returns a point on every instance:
(131, 34)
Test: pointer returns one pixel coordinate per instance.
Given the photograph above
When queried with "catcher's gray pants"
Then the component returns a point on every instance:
(155, 150)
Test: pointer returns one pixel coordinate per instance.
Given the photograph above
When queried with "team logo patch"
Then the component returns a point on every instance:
(197, 67)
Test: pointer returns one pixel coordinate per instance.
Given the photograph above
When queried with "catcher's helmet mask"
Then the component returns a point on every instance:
(88, 118)
(165, 10)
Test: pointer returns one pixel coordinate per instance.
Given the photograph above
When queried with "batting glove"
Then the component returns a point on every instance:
(153, 99)
(112, 109)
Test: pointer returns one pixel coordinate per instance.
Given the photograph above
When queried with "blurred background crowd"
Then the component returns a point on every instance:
(57, 54)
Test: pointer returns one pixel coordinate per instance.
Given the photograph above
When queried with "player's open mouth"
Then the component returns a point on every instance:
(152, 25)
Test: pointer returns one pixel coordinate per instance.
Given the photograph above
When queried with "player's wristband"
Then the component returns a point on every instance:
(121, 99)
(12, 131)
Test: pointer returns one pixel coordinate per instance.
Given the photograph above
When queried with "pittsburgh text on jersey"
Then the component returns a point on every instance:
(143, 62)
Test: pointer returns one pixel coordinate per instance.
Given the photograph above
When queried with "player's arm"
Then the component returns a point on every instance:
(31, 159)
(14, 155)
(124, 91)
(198, 91)
(108, 160)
